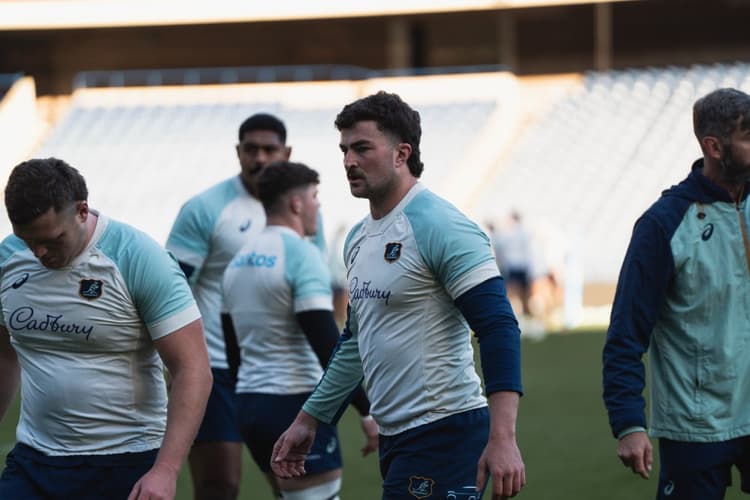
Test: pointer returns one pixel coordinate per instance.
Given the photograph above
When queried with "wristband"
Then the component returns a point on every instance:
(367, 418)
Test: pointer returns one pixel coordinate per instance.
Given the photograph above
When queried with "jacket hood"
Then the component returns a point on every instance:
(697, 188)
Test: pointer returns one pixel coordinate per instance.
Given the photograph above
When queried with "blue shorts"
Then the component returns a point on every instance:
(31, 475)
(435, 460)
(519, 277)
(701, 471)
(265, 417)
(220, 421)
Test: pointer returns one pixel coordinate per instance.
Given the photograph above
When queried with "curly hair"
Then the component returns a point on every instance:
(392, 115)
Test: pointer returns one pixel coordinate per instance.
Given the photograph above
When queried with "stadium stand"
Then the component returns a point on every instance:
(579, 155)
(145, 150)
(591, 164)
(20, 127)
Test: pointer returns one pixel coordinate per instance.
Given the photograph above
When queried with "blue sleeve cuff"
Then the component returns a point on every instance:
(489, 314)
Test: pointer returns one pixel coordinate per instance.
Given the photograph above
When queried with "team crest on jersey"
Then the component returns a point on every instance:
(392, 251)
(420, 487)
(91, 289)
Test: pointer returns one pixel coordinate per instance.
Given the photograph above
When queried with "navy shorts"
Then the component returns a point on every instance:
(701, 471)
(265, 417)
(519, 277)
(31, 475)
(220, 421)
(435, 460)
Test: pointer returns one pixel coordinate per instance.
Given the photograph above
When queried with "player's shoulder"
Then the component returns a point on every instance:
(10, 246)
(354, 232)
(120, 238)
(215, 197)
(430, 213)
(425, 204)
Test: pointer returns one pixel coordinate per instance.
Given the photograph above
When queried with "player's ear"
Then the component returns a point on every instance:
(295, 204)
(403, 152)
(237, 149)
(287, 152)
(82, 210)
(712, 146)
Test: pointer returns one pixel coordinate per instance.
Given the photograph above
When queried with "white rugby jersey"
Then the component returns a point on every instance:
(412, 344)
(91, 379)
(210, 228)
(272, 278)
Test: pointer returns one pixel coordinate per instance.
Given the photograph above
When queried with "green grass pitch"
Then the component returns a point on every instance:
(562, 431)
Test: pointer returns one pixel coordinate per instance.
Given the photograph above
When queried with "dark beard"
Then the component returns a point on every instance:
(731, 171)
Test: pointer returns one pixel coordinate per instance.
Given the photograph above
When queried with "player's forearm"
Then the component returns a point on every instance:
(503, 414)
(187, 404)
(342, 376)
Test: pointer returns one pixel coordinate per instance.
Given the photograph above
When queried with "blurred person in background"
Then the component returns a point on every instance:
(91, 308)
(209, 230)
(683, 295)
(280, 332)
(514, 254)
(338, 275)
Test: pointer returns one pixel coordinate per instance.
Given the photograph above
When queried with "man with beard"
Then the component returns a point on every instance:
(210, 228)
(683, 295)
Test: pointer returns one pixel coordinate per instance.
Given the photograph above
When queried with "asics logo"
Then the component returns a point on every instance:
(245, 226)
(669, 489)
(707, 232)
(20, 281)
(331, 446)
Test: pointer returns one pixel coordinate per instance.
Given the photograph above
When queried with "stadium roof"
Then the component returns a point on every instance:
(70, 14)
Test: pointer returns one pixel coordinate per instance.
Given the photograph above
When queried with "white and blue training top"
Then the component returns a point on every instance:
(210, 228)
(409, 340)
(272, 278)
(91, 379)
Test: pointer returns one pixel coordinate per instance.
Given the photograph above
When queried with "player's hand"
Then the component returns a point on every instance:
(159, 483)
(370, 428)
(502, 458)
(290, 450)
(636, 453)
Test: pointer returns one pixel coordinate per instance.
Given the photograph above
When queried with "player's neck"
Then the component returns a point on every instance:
(90, 228)
(380, 206)
(286, 220)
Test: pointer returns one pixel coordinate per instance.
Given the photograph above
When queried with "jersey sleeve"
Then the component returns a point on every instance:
(154, 280)
(308, 276)
(9, 246)
(190, 237)
(454, 248)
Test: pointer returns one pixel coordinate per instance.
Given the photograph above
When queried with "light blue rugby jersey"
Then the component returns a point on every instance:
(91, 379)
(210, 228)
(271, 279)
(412, 343)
